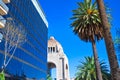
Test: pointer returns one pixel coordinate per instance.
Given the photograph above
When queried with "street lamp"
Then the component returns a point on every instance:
(63, 70)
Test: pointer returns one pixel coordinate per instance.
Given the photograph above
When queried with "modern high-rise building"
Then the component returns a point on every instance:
(30, 59)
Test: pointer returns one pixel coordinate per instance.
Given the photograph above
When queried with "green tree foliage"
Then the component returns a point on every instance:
(87, 23)
(86, 71)
(2, 76)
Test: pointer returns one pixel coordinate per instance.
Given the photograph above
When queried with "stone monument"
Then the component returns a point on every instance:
(57, 59)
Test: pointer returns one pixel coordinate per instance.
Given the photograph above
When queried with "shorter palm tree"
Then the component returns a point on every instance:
(86, 71)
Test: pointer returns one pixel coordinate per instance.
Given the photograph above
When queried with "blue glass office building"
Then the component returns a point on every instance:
(31, 57)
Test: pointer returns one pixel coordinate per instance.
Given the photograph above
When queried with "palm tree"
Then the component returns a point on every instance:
(86, 71)
(109, 43)
(87, 25)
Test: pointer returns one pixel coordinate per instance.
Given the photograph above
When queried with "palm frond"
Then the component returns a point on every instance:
(87, 21)
(86, 70)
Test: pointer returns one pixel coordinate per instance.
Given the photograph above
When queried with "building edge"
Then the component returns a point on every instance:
(39, 9)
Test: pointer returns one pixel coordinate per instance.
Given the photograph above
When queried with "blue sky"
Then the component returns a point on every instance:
(58, 14)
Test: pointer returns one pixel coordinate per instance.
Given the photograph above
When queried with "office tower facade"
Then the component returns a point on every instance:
(30, 59)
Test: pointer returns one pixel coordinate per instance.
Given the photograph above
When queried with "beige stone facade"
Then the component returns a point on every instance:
(57, 59)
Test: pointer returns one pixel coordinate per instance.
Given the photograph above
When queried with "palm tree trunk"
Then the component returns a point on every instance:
(97, 65)
(109, 43)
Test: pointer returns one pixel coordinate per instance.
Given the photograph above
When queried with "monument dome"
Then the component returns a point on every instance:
(54, 46)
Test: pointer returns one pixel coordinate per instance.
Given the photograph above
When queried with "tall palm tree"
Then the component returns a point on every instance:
(87, 25)
(86, 71)
(109, 43)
